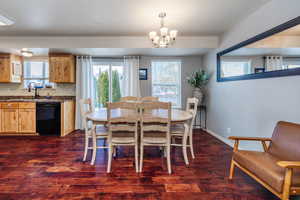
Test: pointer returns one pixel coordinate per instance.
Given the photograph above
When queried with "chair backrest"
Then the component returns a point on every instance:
(191, 106)
(129, 98)
(149, 99)
(155, 117)
(286, 141)
(86, 107)
(122, 117)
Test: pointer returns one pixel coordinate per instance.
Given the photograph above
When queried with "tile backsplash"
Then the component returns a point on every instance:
(12, 89)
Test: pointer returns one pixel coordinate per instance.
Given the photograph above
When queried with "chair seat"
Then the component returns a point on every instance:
(101, 131)
(154, 140)
(264, 166)
(122, 140)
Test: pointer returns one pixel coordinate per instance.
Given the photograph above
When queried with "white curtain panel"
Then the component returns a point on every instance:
(84, 84)
(131, 72)
(274, 63)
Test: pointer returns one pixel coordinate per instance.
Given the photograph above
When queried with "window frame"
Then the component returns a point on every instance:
(43, 78)
(179, 78)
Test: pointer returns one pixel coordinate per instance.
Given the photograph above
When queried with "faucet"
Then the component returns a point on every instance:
(36, 95)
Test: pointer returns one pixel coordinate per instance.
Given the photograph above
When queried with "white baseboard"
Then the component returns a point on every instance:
(219, 137)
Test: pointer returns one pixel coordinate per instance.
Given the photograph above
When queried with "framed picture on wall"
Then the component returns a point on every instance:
(143, 74)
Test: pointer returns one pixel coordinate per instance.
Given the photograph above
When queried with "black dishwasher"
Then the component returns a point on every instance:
(48, 118)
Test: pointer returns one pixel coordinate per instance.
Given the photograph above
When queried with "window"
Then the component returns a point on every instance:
(36, 71)
(108, 77)
(166, 80)
(236, 68)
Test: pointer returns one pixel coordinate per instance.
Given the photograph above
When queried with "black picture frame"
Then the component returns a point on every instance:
(143, 74)
(269, 74)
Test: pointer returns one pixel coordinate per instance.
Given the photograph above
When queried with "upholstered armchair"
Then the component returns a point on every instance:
(278, 167)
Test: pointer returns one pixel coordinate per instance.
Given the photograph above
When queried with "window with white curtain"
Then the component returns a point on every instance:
(166, 81)
(36, 71)
(108, 75)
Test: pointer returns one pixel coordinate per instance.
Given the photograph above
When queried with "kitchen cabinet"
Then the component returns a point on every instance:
(18, 118)
(10, 120)
(61, 68)
(67, 117)
(27, 118)
(10, 68)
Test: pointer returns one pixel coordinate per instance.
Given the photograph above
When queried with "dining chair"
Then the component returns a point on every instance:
(129, 98)
(122, 128)
(86, 107)
(185, 131)
(149, 98)
(155, 128)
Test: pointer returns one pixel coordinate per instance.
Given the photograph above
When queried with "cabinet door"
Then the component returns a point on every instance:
(62, 69)
(27, 121)
(5, 73)
(10, 120)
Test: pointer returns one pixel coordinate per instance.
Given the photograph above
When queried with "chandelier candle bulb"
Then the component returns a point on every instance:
(173, 34)
(152, 35)
(164, 31)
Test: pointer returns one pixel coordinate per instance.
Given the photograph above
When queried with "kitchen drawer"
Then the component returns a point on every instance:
(10, 105)
(27, 105)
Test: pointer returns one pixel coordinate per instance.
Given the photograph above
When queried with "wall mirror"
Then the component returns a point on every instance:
(273, 53)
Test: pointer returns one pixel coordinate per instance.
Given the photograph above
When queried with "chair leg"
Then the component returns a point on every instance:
(191, 145)
(287, 184)
(141, 157)
(110, 154)
(94, 147)
(136, 158)
(185, 152)
(86, 146)
(169, 159)
(232, 166)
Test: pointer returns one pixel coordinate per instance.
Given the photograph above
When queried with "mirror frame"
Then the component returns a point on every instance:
(270, 74)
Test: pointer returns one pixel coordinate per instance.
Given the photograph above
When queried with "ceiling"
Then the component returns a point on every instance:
(114, 52)
(122, 17)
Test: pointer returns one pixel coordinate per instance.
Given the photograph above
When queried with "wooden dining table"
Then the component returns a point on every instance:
(100, 116)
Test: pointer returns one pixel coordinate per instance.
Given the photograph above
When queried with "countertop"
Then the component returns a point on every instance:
(39, 99)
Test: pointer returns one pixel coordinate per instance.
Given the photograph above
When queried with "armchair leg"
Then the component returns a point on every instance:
(232, 166)
(287, 184)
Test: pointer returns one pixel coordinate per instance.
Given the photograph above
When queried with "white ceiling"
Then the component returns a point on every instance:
(122, 17)
(114, 52)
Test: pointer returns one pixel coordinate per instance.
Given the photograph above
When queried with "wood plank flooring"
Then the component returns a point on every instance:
(52, 168)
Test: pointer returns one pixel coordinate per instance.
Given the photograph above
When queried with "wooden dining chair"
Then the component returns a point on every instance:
(123, 128)
(129, 98)
(155, 128)
(149, 99)
(86, 107)
(185, 131)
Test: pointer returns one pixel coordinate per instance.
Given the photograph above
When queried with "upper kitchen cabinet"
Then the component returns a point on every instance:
(10, 68)
(61, 68)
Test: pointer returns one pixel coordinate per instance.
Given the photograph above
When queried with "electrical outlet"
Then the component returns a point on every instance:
(228, 130)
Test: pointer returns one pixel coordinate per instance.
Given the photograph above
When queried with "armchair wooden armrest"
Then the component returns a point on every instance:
(289, 164)
(249, 138)
(261, 139)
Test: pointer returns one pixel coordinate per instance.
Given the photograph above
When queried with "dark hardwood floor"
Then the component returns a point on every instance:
(52, 168)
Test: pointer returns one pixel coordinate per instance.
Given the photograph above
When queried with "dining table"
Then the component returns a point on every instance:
(100, 116)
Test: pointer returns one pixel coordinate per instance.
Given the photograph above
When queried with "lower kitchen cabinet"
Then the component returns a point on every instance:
(10, 120)
(27, 121)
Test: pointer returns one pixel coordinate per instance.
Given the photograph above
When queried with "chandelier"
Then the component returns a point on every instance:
(165, 38)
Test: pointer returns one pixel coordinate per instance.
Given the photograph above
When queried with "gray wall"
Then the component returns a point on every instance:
(252, 107)
(189, 64)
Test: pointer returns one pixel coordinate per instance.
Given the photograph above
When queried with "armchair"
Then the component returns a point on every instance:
(278, 167)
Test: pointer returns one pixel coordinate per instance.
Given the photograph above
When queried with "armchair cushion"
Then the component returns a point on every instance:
(264, 166)
(286, 141)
